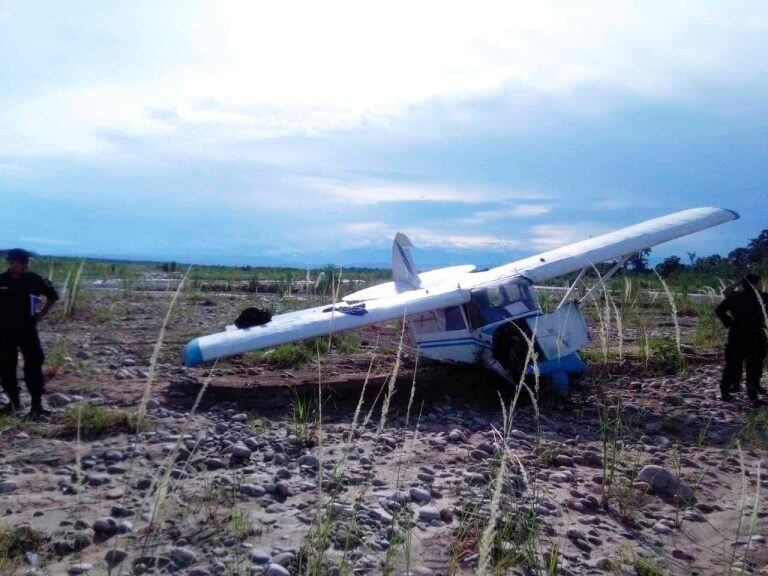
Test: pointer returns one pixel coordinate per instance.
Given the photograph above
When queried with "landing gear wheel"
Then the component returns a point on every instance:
(510, 349)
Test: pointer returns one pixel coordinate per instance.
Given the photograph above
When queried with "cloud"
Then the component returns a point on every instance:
(47, 241)
(550, 236)
(614, 204)
(220, 75)
(13, 169)
(343, 125)
(381, 191)
(429, 238)
(78, 122)
(621, 203)
(366, 233)
(517, 211)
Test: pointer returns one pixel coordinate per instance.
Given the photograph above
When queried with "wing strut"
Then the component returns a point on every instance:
(619, 263)
(572, 287)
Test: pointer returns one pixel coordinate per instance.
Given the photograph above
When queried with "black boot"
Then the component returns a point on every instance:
(14, 405)
(10, 409)
(36, 410)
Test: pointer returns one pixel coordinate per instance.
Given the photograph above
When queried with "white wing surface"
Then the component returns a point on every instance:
(319, 321)
(611, 246)
(432, 279)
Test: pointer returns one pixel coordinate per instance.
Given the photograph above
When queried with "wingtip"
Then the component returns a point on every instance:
(192, 355)
(733, 213)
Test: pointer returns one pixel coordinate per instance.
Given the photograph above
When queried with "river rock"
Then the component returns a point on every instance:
(115, 556)
(182, 557)
(429, 513)
(276, 570)
(8, 486)
(57, 399)
(105, 527)
(665, 483)
(420, 496)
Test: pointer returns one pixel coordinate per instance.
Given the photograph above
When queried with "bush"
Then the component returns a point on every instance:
(665, 355)
(95, 419)
(645, 566)
(288, 355)
(708, 331)
(16, 541)
(755, 429)
(345, 342)
(298, 353)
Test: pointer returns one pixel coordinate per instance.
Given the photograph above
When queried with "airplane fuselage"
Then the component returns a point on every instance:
(503, 328)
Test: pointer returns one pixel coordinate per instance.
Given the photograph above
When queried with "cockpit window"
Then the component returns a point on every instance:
(495, 303)
(454, 319)
(497, 296)
(513, 292)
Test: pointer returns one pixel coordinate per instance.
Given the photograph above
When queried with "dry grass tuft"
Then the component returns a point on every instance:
(15, 542)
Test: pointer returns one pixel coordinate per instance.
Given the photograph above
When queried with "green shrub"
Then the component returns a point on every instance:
(755, 429)
(303, 418)
(288, 355)
(646, 566)
(665, 355)
(345, 342)
(94, 419)
(16, 541)
(708, 331)
(299, 353)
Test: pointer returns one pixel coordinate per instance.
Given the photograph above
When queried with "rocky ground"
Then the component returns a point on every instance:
(636, 473)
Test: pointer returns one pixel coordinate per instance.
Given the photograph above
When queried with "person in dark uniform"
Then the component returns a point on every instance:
(21, 306)
(743, 312)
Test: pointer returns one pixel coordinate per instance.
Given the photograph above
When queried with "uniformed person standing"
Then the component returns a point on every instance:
(743, 313)
(21, 306)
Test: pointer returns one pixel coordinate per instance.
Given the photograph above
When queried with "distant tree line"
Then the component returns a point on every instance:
(752, 257)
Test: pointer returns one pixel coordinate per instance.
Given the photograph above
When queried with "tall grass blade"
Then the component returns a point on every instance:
(142, 410)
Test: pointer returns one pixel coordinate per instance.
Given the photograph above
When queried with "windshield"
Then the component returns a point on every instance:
(496, 303)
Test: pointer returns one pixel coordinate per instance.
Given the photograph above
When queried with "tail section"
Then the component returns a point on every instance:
(404, 269)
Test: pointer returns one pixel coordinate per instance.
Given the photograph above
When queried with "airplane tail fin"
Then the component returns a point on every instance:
(403, 267)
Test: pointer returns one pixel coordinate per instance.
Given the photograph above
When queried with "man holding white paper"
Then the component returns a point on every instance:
(21, 306)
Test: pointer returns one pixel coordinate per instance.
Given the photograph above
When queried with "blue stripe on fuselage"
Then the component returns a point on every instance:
(454, 342)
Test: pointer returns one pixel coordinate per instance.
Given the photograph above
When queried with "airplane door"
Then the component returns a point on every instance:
(561, 332)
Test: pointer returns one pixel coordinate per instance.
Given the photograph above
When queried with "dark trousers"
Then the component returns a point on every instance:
(26, 340)
(737, 355)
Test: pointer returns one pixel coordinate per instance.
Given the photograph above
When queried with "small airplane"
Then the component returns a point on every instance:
(461, 315)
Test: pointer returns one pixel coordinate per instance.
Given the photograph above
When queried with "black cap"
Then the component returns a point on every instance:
(18, 255)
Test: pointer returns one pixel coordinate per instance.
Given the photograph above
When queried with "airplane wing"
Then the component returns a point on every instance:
(319, 321)
(432, 279)
(611, 246)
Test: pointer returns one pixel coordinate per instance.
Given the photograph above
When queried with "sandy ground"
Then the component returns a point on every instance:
(635, 473)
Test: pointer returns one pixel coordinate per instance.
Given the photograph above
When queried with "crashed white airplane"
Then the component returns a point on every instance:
(458, 314)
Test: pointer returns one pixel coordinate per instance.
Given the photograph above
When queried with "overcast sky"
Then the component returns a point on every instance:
(310, 132)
